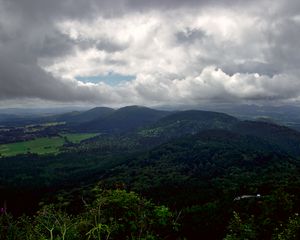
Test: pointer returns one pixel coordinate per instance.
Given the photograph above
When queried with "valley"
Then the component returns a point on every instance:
(43, 145)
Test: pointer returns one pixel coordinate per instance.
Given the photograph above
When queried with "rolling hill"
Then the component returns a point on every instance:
(124, 120)
(195, 162)
(188, 122)
(201, 175)
(79, 117)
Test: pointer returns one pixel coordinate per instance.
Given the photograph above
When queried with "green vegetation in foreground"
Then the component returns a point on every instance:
(114, 214)
(45, 145)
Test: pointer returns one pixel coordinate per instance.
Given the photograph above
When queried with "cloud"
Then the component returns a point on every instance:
(214, 85)
(181, 52)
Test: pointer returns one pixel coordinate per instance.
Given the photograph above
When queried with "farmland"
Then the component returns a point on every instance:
(42, 145)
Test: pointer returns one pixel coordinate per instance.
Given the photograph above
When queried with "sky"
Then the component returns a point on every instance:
(158, 52)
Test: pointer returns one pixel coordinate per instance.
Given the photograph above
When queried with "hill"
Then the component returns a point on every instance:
(194, 121)
(78, 117)
(124, 119)
(207, 167)
(283, 137)
(201, 175)
(188, 122)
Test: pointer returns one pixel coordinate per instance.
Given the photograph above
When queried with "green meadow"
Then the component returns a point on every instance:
(42, 145)
(78, 137)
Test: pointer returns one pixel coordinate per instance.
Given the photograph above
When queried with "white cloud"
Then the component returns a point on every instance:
(213, 84)
(152, 46)
(188, 54)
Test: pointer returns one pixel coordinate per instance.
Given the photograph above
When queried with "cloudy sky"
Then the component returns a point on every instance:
(158, 52)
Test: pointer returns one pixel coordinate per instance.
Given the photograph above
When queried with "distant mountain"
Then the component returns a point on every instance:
(77, 117)
(24, 116)
(12, 120)
(280, 136)
(145, 131)
(198, 115)
(124, 119)
(151, 127)
(286, 114)
(40, 111)
(193, 122)
(6, 117)
(188, 122)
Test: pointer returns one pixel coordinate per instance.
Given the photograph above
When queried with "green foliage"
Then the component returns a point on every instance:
(41, 146)
(291, 230)
(115, 214)
(44, 145)
(187, 122)
(239, 230)
(268, 218)
(78, 137)
(52, 223)
(119, 213)
(200, 176)
(250, 229)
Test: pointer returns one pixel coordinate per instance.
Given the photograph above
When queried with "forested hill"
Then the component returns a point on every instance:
(201, 175)
(187, 122)
(77, 117)
(217, 176)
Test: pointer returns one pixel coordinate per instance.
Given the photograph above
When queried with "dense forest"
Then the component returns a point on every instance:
(152, 174)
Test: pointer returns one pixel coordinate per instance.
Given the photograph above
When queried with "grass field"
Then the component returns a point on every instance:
(78, 137)
(42, 145)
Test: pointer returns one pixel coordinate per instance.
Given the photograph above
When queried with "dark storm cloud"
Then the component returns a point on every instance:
(250, 67)
(173, 4)
(110, 46)
(53, 45)
(284, 51)
(42, 10)
(29, 35)
(102, 44)
(24, 78)
(190, 35)
(27, 32)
